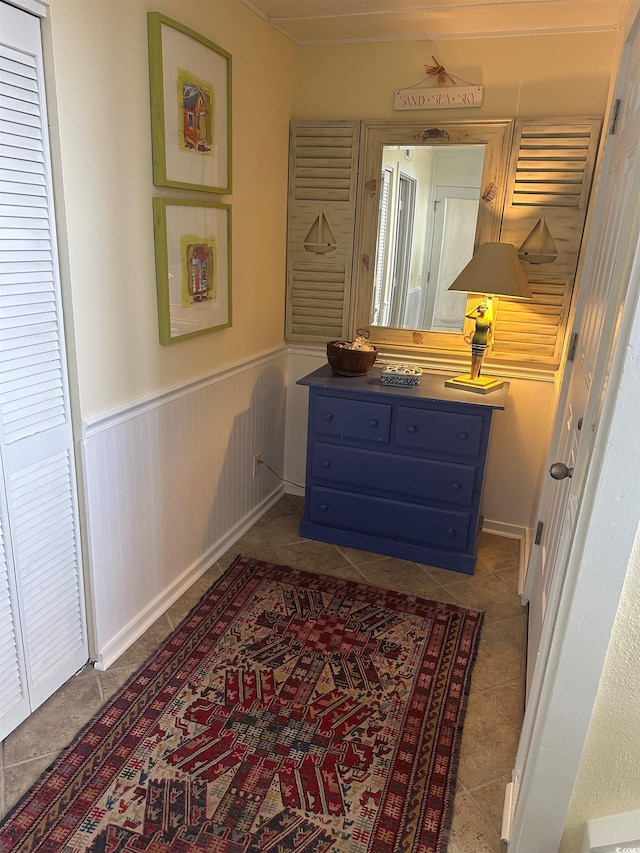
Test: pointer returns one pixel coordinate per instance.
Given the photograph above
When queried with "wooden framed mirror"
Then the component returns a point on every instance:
(428, 196)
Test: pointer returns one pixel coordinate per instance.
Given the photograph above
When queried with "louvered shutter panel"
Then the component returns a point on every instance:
(550, 177)
(323, 168)
(35, 430)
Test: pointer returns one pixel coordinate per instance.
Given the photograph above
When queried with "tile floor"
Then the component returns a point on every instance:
(494, 712)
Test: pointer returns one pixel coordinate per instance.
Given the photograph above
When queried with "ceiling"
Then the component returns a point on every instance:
(334, 21)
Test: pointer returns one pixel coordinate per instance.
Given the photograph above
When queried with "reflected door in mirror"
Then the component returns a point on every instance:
(426, 231)
(455, 217)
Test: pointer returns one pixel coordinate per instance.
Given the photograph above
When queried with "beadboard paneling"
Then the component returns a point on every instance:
(169, 487)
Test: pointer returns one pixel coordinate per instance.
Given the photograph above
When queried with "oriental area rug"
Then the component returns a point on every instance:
(288, 713)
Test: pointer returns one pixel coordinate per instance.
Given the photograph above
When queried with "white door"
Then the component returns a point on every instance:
(611, 252)
(14, 696)
(454, 231)
(602, 289)
(43, 629)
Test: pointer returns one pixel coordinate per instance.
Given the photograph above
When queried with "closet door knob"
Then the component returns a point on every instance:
(326, 463)
(412, 428)
(451, 531)
(373, 422)
(560, 471)
(462, 436)
(322, 507)
(328, 416)
(455, 486)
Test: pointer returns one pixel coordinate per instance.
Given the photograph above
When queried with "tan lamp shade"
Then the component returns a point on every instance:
(494, 270)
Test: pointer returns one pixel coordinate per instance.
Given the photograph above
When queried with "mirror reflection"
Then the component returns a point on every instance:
(429, 199)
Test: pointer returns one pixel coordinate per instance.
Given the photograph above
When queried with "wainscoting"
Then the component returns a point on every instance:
(169, 486)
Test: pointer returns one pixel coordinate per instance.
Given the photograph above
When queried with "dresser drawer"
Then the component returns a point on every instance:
(440, 528)
(422, 479)
(355, 419)
(447, 433)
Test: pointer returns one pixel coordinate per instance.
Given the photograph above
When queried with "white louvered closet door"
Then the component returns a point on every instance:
(14, 699)
(42, 618)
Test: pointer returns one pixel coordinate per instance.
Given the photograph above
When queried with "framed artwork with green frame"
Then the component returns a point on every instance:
(193, 267)
(190, 79)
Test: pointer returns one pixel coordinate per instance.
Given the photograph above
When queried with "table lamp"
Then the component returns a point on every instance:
(494, 270)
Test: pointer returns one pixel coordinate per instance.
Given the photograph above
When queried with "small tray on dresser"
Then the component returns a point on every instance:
(403, 375)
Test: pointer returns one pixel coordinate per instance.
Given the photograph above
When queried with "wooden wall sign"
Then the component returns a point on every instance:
(438, 98)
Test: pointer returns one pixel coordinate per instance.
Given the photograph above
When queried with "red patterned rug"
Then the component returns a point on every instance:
(288, 713)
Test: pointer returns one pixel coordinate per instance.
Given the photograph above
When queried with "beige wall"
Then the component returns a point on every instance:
(523, 76)
(530, 76)
(103, 126)
(102, 91)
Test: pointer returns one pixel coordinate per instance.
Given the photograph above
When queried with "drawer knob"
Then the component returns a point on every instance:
(412, 428)
(463, 436)
(451, 531)
(373, 422)
(326, 463)
(328, 416)
(455, 486)
(323, 507)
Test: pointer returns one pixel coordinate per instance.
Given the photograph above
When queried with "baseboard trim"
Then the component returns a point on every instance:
(513, 531)
(613, 833)
(294, 489)
(136, 627)
(510, 797)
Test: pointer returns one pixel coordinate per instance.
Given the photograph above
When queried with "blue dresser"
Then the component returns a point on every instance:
(395, 470)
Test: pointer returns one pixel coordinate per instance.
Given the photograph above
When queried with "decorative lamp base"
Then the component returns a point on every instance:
(481, 385)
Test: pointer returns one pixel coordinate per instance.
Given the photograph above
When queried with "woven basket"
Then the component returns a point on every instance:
(349, 362)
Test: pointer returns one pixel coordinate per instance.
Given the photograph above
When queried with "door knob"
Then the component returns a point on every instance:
(559, 471)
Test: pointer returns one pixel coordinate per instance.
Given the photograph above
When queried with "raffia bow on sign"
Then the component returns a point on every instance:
(444, 96)
(439, 72)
